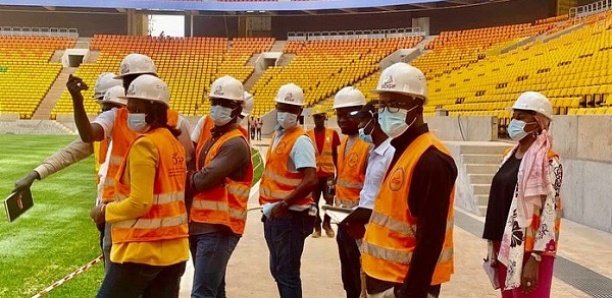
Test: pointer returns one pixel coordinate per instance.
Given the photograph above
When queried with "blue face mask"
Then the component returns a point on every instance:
(221, 115)
(516, 130)
(365, 137)
(394, 124)
(286, 120)
(137, 123)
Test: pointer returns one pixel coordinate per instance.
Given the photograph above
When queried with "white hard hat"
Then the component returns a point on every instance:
(290, 94)
(534, 101)
(148, 87)
(248, 104)
(105, 81)
(134, 64)
(403, 78)
(115, 95)
(349, 97)
(227, 87)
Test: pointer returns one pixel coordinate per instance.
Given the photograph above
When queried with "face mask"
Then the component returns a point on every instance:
(516, 130)
(137, 123)
(365, 137)
(286, 120)
(221, 115)
(394, 124)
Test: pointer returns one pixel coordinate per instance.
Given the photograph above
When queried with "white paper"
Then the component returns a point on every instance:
(267, 209)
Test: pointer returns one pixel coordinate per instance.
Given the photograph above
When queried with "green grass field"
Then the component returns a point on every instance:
(56, 236)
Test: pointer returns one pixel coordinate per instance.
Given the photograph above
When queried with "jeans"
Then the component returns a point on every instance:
(107, 242)
(350, 265)
(320, 190)
(285, 239)
(211, 253)
(138, 280)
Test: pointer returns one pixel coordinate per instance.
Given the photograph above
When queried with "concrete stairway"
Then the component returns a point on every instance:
(57, 56)
(43, 112)
(92, 57)
(477, 164)
(82, 43)
(278, 46)
(285, 59)
(421, 45)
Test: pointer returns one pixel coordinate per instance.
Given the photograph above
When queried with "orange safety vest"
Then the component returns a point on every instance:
(122, 137)
(205, 135)
(325, 159)
(390, 235)
(100, 149)
(277, 182)
(167, 217)
(225, 204)
(351, 172)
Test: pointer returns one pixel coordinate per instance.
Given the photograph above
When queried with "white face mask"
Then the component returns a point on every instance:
(137, 123)
(286, 120)
(394, 124)
(221, 115)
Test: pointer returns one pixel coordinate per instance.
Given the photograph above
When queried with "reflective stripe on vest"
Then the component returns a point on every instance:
(122, 137)
(277, 182)
(390, 236)
(224, 204)
(351, 172)
(325, 159)
(167, 216)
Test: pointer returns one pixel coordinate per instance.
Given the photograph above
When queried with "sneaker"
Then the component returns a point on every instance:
(316, 234)
(329, 232)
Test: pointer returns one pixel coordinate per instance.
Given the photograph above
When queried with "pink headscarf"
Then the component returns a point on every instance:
(533, 175)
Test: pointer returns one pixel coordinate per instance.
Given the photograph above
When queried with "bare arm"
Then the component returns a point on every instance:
(87, 131)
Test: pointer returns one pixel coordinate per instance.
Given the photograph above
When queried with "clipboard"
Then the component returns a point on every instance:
(18, 203)
(358, 216)
(341, 215)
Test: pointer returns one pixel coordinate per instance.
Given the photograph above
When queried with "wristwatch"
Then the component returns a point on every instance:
(536, 256)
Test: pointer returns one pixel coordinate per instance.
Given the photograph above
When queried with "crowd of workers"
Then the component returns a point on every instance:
(166, 191)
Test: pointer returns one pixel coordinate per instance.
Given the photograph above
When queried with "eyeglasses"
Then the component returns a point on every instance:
(393, 107)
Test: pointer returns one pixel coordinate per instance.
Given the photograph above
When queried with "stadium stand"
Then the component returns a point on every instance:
(323, 67)
(188, 65)
(573, 70)
(25, 72)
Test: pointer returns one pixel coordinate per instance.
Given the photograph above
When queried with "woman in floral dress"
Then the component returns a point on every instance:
(524, 210)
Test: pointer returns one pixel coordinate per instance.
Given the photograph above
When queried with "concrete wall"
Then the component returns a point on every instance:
(88, 24)
(511, 12)
(464, 128)
(585, 146)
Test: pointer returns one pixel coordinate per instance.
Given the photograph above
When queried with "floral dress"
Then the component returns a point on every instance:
(543, 233)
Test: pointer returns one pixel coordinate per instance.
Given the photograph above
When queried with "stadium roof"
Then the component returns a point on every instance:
(271, 7)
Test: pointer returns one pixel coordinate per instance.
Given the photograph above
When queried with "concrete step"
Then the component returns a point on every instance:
(481, 169)
(285, 59)
(253, 59)
(492, 149)
(482, 210)
(482, 158)
(57, 56)
(480, 178)
(482, 200)
(92, 57)
(481, 189)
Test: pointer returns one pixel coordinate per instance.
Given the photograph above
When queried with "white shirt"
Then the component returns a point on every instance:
(379, 160)
(107, 121)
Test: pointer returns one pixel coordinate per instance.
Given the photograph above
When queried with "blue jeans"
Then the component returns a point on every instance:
(285, 238)
(138, 280)
(211, 253)
(350, 263)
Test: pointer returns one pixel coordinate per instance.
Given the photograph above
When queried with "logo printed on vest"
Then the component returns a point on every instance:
(177, 158)
(280, 146)
(353, 159)
(397, 179)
